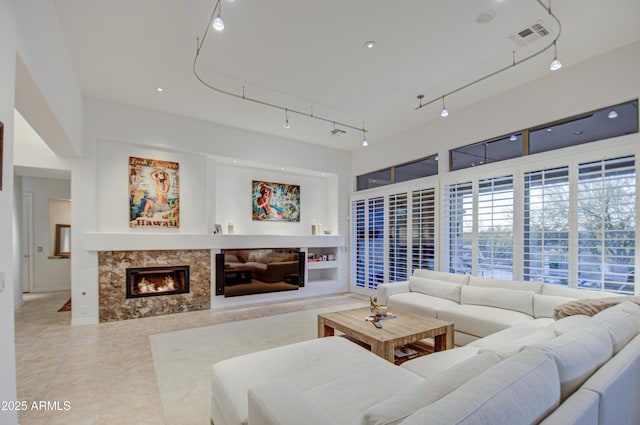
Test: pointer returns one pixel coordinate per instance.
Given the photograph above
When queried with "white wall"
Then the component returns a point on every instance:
(605, 80)
(29, 30)
(48, 274)
(233, 201)
(113, 132)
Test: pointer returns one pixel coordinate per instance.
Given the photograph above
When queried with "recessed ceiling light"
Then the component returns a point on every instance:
(513, 138)
(485, 17)
(578, 133)
(370, 44)
(235, 161)
(158, 89)
(612, 114)
(282, 168)
(549, 129)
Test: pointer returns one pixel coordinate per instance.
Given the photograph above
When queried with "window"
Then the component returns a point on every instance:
(459, 227)
(398, 221)
(499, 149)
(358, 243)
(603, 124)
(495, 227)
(374, 179)
(546, 226)
(419, 168)
(423, 229)
(606, 224)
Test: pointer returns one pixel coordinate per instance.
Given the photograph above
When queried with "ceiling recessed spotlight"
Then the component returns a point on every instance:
(513, 138)
(281, 168)
(485, 17)
(370, 44)
(549, 129)
(159, 89)
(612, 114)
(578, 133)
(235, 161)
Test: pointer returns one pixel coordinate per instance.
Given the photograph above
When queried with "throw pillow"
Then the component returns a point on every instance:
(591, 306)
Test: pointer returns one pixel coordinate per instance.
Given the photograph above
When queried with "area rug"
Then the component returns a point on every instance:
(66, 306)
(183, 359)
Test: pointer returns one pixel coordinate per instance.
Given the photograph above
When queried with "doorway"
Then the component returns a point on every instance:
(27, 242)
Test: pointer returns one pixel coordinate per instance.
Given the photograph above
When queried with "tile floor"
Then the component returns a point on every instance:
(105, 372)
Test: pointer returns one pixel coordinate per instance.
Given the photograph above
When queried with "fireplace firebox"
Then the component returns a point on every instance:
(156, 281)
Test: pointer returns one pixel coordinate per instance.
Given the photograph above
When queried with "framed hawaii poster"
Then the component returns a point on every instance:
(154, 193)
(275, 201)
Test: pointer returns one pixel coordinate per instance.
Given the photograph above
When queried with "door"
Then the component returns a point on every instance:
(27, 242)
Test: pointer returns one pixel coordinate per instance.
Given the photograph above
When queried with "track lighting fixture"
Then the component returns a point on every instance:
(286, 122)
(364, 136)
(445, 111)
(218, 24)
(555, 65)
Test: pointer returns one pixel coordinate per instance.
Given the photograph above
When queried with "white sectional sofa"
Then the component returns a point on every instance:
(479, 306)
(522, 368)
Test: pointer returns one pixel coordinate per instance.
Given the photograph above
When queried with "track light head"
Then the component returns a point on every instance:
(445, 111)
(555, 64)
(218, 23)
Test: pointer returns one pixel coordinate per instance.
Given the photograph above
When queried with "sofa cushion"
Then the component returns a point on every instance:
(578, 353)
(563, 291)
(618, 384)
(434, 363)
(520, 390)
(487, 282)
(545, 305)
(510, 299)
(462, 279)
(307, 365)
(480, 320)
(509, 341)
(437, 288)
(419, 303)
(590, 306)
(620, 323)
(396, 408)
(579, 409)
(281, 403)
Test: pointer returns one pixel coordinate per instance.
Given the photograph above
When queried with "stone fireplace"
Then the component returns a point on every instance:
(130, 282)
(157, 281)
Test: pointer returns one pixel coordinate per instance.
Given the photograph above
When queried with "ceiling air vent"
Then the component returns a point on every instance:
(529, 34)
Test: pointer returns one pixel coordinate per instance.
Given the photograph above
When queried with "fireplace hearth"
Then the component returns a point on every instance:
(157, 281)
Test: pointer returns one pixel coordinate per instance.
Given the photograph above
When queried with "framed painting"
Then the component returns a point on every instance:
(154, 193)
(275, 201)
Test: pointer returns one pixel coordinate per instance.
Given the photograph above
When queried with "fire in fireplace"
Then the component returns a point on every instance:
(155, 281)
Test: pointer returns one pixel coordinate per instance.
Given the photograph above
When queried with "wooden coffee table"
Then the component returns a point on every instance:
(406, 328)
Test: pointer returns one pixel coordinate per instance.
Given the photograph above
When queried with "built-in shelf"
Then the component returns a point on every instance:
(321, 264)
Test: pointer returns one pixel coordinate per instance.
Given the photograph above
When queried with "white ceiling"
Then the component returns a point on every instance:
(302, 53)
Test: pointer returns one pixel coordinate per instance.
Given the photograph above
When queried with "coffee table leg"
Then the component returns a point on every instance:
(444, 341)
(323, 329)
(384, 349)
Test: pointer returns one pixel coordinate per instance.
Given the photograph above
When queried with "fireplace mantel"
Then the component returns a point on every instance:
(176, 241)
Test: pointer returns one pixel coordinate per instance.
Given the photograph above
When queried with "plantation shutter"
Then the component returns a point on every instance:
(358, 241)
(495, 227)
(606, 224)
(398, 227)
(546, 226)
(459, 228)
(423, 229)
(375, 269)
